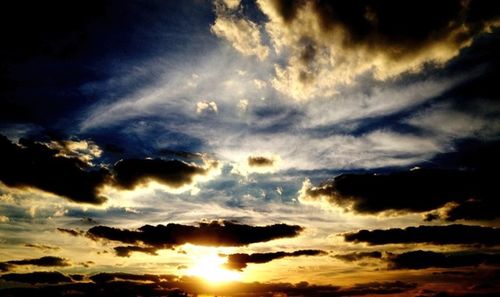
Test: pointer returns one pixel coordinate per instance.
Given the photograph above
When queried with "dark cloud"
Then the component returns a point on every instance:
(132, 172)
(108, 277)
(427, 259)
(31, 164)
(396, 26)
(38, 165)
(41, 246)
(468, 194)
(356, 256)
(126, 251)
(215, 233)
(46, 261)
(124, 284)
(240, 261)
(449, 234)
(259, 161)
(37, 277)
(71, 231)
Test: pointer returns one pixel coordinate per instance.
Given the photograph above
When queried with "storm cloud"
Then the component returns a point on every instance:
(215, 233)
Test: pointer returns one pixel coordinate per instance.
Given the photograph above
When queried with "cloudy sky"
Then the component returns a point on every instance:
(250, 148)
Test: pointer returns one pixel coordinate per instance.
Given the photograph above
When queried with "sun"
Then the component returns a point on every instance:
(210, 267)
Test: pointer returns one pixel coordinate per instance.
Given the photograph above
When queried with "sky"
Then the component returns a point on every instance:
(249, 148)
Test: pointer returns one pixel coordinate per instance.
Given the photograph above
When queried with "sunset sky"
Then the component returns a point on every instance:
(249, 148)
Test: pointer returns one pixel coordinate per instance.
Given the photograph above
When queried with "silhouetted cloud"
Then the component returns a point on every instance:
(427, 259)
(129, 173)
(44, 247)
(215, 233)
(105, 277)
(71, 231)
(449, 234)
(240, 261)
(46, 261)
(356, 256)
(125, 284)
(31, 164)
(37, 277)
(260, 161)
(125, 251)
(411, 191)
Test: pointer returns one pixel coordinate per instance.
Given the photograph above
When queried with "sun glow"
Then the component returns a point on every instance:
(210, 267)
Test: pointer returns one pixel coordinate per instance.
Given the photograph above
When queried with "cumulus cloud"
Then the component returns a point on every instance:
(215, 233)
(240, 261)
(419, 190)
(130, 173)
(243, 34)
(448, 234)
(31, 164)
(331, 43)
(204, 107)
(65, 171)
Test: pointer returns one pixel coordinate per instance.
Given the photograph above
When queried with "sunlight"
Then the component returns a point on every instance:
(210, 267)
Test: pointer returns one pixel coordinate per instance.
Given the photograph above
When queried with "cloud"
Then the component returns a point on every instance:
(449, 234)
(427, 259)
(240, 261)
(215, 233)
(243, 34)
(31, 164)
(356, 256)
(55, 169)
(125, 251)
(130, 173)
(203, 107)
(43, 247)
(419, 190)
(47, 261)
(105, 277)
(126, 284)
(37, 277)
(327, 44)
(71, 231)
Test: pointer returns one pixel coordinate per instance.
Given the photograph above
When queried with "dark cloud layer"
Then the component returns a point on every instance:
(427, 259)
(449, 234)
(356, 256)
(126, 251)
(215, 233)
(471, 192)
(32, 164)
(124, 284)
(37, 277)
(240, 261)
(46, 261)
